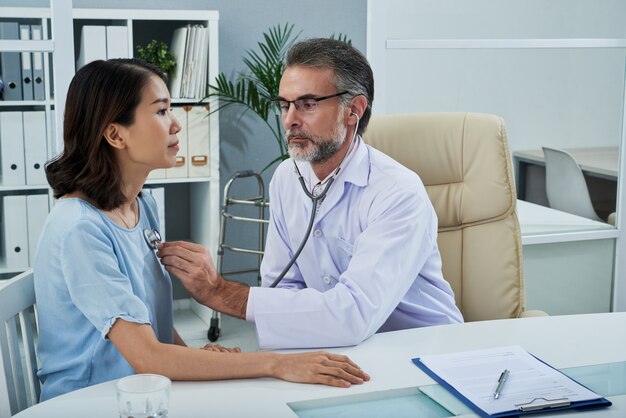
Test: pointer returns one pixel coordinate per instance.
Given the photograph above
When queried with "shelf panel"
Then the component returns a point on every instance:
(24, 187)
(180, 180)
(26, 46)
(6, 103)
(146, 14)
(6, 270)
(26, 12)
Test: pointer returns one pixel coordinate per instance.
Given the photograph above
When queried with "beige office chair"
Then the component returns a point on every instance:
(566, 187)
(463, 160)
(19, 385)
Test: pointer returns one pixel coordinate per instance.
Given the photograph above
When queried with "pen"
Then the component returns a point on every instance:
(501, 381)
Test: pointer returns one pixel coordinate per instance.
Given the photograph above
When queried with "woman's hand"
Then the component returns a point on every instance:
(220, 348)
(319, 367)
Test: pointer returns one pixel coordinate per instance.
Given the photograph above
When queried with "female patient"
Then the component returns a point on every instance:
(104, 301)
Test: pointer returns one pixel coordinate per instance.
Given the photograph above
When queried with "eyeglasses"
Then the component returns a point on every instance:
(302, 105)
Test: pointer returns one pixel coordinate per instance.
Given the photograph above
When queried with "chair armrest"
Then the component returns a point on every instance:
(531, 314)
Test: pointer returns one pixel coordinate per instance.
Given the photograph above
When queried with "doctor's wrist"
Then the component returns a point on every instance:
(229, 297)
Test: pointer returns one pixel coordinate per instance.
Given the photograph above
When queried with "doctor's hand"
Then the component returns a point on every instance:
(319, 367)
(193, 265)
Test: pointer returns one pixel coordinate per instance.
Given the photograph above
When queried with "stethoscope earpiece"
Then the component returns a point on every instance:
(153, 238)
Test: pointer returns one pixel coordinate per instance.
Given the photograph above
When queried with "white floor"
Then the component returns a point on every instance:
(193, 330)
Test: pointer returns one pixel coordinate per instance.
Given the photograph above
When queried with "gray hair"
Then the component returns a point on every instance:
(352, 71)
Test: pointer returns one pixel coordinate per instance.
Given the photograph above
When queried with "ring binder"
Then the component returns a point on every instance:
(547, 404)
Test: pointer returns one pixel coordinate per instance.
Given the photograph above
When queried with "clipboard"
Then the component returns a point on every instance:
(530, 406)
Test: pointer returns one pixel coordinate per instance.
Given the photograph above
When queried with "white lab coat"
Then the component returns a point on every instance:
(371, 263)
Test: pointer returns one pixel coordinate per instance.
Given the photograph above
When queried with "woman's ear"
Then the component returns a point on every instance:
(115, 135)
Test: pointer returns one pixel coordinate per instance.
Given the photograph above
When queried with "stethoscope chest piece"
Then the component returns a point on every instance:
(153, 238)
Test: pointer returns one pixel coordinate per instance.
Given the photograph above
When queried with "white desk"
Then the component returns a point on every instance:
(540, 220)
(565, 277)
(563, 341)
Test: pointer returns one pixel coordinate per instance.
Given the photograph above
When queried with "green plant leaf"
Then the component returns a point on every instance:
(157, 53)
(341, 37)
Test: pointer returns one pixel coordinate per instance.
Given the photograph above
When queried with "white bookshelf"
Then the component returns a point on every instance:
(192, 208)
(191, 204)
(45, 46)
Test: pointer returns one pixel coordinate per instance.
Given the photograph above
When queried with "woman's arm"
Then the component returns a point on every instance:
(146, 354)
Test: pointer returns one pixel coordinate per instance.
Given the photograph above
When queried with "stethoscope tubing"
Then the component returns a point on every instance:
(315, 200)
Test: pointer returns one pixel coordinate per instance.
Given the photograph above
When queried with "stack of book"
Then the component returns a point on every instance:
(101, 43)
(190, 47)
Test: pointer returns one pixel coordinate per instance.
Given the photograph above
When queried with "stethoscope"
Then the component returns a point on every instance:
(315, 200)
(152, 237)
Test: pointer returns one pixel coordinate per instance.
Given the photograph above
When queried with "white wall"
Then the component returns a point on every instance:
(559, 97)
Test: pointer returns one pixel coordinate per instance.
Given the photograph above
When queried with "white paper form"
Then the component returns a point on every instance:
(475, 374)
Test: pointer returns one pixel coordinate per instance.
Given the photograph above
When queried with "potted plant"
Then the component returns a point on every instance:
(258, 83)
(157, 53)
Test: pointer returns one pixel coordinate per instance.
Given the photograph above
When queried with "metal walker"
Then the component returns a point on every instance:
(258, 201)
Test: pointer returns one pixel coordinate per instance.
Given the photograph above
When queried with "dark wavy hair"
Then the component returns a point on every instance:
(352, 71)
(101, 93)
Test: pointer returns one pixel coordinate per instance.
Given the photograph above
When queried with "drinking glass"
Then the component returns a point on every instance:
(143, 396)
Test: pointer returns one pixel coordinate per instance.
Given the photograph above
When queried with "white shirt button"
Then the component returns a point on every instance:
(326, 279)
(317, 233)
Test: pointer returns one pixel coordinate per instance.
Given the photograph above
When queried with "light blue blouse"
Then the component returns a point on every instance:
(89, 272)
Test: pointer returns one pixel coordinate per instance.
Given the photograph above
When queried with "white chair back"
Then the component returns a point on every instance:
(19, 385)
(565, 185)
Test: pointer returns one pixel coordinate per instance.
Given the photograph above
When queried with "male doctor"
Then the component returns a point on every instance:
(372, 262)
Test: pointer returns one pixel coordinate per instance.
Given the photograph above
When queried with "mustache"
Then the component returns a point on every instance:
(295, 134)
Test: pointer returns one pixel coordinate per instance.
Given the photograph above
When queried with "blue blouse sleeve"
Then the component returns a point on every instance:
(95, 282)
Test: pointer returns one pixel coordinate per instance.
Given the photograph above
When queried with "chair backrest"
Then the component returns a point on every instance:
(463, 160)
(19, 385)
(565, 184)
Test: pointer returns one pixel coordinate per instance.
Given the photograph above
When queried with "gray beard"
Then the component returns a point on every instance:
(321, 153)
